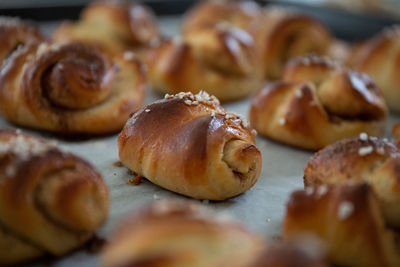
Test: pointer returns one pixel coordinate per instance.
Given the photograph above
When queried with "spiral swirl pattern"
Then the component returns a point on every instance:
(70, 88)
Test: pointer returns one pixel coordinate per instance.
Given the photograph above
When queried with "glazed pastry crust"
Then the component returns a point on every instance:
(221, 60)
(318, 103)
(188, 144)
(52, 87)
(62, 198)
(356, 160)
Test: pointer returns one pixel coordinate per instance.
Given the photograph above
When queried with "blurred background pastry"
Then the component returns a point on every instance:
(379, 57)
(180, 233)
(184, 233)
(221, 60)
(115, 27)
(285, 34)
(245, 15)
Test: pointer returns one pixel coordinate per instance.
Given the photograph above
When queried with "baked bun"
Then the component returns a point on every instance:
(14, 33)
(245, 15)
(220, 60)
(285, 34)
(70, 88)
(177, 233)
(379, 58)
(360, 160)
(318, 103)
(114, 27)
(190, 145)
(51, 202)
(348, 218)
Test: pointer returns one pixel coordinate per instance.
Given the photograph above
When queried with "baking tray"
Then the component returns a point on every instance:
(45, 10)
(260, 209)
(344, 24)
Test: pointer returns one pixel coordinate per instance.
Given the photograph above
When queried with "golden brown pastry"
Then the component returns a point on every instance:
(318, 103)
(348, 218)
(245, 15)
(285, 34)
(359, 160)
(379, 58)
(113, 26)
(189, 144)
(183, 233)
(70, 88)
(220, 60)
(50, 201)
(14, 33)
(178, 233)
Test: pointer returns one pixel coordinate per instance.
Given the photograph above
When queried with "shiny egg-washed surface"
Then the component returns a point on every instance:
(261, 209)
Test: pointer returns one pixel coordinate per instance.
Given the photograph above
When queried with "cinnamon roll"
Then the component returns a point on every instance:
(183, 233)
(348, 219)
(221, 60)
(361, 160)
(241, 14)
(190, 145)
(318, 102)
(286, 34)
(114, 27)
(70, 88)
(279, 33)
(51, 202)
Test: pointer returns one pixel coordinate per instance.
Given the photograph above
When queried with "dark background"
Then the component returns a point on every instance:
(346, 25)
